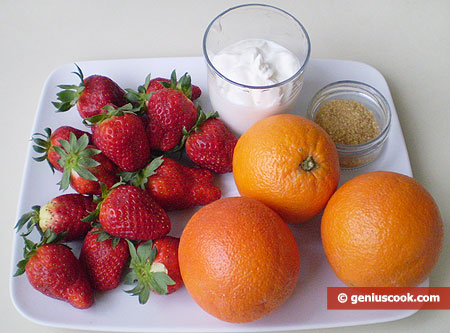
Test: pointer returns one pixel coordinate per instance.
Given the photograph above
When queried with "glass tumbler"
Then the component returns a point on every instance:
(235, 101)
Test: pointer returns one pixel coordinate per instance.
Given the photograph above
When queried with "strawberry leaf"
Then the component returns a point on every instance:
(30, 219)
(85, 173)
(139, 97)
(75, 156)
(160, 281)
(149, 275)
(140, 178)
(42, 146)
(130, 278)
(70, 94)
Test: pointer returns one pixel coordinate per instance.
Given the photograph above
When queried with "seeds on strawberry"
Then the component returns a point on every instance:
(169, 112)
(62, 214)
(53, 269)
(104, 258)
(121, 136)
(90, 96)
(210, 144)
(173, 185)
(127, 211)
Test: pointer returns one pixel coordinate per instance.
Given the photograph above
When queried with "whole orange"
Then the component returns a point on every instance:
(382, 229)
(238, 259)
(289, 163)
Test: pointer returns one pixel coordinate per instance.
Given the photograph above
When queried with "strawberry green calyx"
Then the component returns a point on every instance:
(30, 219)
(69, 94)
(148, 274)
(201, 118)
(139, 97)
(103, 235)
(111, 111)
(75, 156)
(42, 145)
(183, 84)
(47, 237)
(140, 178)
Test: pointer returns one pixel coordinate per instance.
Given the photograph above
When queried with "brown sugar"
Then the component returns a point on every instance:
(347, 122)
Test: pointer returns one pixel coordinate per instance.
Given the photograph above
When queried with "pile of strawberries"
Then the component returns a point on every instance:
(127, 179)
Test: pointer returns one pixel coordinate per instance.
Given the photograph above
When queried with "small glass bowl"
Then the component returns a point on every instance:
(356, 156)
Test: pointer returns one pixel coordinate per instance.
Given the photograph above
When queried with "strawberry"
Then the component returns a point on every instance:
(62, 214)
(169, 110)
(120, 135)
(155, 267)
(50, 139)
(104, 258)
(53, 269)
(126, 211)
(210, 144)
(90, 96)
(84, 166)
(173, 185)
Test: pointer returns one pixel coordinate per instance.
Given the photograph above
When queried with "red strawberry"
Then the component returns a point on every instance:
(50, 139)
(155, 267)
(121, 136)
(62, 214)
(90, 96)
(126, 211)
(184, 85)
(210, 144)
(85, 167)
(168, 108)
(196, 92)
(104, 258)
(169, 112)
(54, 270)
(105, 172)
(173, 185)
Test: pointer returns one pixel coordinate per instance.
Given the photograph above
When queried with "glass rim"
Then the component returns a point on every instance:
(372, 92)
(278, 84)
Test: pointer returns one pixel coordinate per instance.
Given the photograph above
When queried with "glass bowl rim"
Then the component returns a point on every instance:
(278, 84)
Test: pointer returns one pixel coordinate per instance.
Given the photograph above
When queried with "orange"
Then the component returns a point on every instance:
(382, 229)
(238, 259)
(289, 163)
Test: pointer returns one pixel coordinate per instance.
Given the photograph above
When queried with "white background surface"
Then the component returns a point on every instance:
(407, 41)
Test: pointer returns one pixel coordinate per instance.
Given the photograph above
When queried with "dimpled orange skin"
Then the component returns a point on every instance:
(238, 259)
(267, 166)
(382, 229)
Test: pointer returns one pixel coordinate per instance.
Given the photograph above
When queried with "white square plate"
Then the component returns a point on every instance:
(117, 311)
